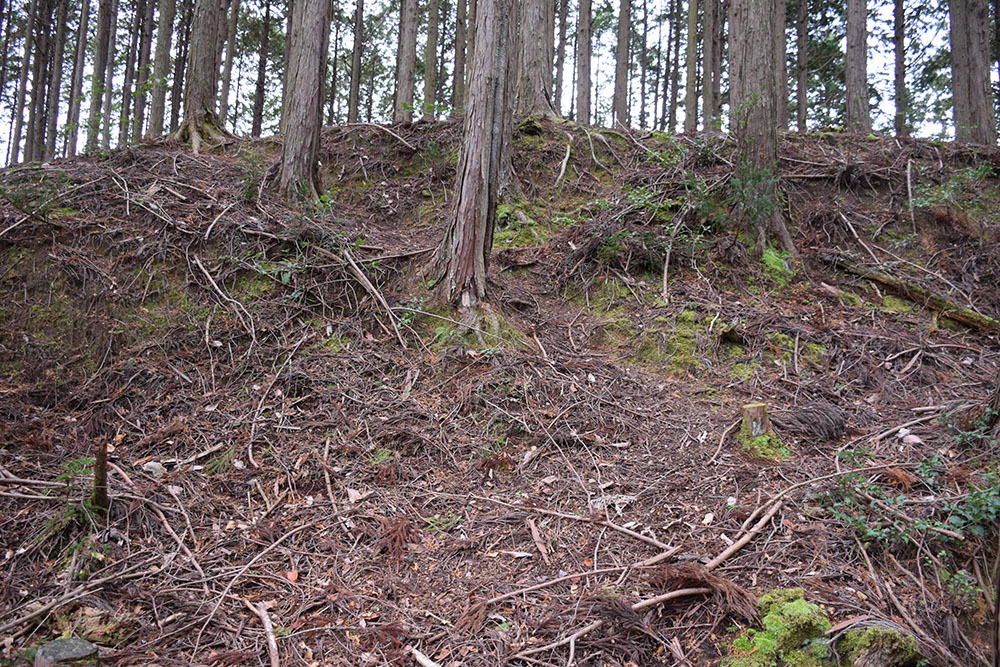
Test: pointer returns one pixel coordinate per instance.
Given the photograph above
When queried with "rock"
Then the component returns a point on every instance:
(154, 469)
(69, 651)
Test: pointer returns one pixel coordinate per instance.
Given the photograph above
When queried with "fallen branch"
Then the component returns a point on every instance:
(921, 295)
(272, 643)
(742, 542)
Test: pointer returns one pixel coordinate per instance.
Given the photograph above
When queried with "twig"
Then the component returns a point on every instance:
(263, 397)
(243, 570)
(250, 327)
(212, 226)
(562, 167)
(387, 131)
(272, 643)
(749, 535)
(422, 659)
(909, 193)
(854, 233)
(722, 440)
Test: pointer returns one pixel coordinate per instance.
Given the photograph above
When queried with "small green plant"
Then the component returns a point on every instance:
(954, 191)
(442, 524)
(382, 455)
(222, 463)
(776, 265)
(753, 196)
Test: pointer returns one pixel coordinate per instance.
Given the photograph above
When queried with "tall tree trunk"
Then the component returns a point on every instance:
(200, 120)
(533, 95)
(261, 89)
(899, 49)
(109, 78)
(55, 81)
(4, 62)
(463, 255)
(620, 101)
(458, 82)
(34, 141)
(557, 86)
(161, 64)
(227, 65)
(752, 100)
(974, 114)
(430, 61)
(691, 83)
(356, 51)
(780, 65)
(801, 64)
(642, 66)
(22, 82)
(550, 46)
(124, 120)
(675, 67)
(332, 63)
(709, 30)
(100, 67)
(406, 62)
(76, 80)
(181, 64)
(308, 36)
(143, 73)
(858, 117)
(584, 32)
(470, 46)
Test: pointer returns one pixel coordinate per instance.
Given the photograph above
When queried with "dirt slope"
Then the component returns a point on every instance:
(296, 431)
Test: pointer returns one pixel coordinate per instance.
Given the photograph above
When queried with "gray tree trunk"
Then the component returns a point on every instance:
(161, 65)
(125, 115)
(55, 82)
(675, 68)
(974, 114)
(899, 71)
(430, 60)
(261, 89)
(780, 66)
(200, 122)
(691, 83)
(109, 78)
(22, 82)
(620, 100)
(180, 64)
(227, 65)
(100, 67)
(557, 86)
(858, 116)
(463, 255)
(143, 73)
(353, 97)
(76, 80)
(406, 62)
(533, 93)
(308, 40)
(584, 32)
(709, 31)
(801, 64)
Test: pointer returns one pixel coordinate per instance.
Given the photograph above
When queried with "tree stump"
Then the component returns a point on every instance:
(755, 421)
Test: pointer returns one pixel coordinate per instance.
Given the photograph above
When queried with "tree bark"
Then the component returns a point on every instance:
(620, 101)
(899, 49)
(76, 80)
(200, 122)
(261, 88)
(35, 137)
(781, 65)
(550, 45)
(55, 81)
(227, 66)
(751, 91)
(858, 117)
(334, 69)
(109, 78)
(100, 67)
(974, 114)
(430, 60)
(643, 52)
(181, 64)
(709, 30)
(307, 46)
(557, 87)
(22, 82)
(584, 32)
(143, 73)
(161, 64)
(406, 62)
(675, 68)
(801, 64)
(470, 46)
(691, 83)
(353, 97)
(463, 255)
(533, 93)
(125, 115)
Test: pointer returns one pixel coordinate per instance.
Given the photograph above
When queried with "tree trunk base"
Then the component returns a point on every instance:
(203, 129)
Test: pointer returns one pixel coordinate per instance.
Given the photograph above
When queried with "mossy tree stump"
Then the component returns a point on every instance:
(755, 421)
(757, 436)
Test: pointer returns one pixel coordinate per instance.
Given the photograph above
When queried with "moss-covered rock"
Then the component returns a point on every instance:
(878, 647)
(792, 634)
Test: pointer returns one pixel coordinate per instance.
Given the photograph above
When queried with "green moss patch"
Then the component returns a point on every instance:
(792, 633)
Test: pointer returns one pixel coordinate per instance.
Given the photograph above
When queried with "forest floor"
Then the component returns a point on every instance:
(309, 465)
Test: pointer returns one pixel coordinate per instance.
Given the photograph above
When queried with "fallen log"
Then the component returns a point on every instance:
(918, 294)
